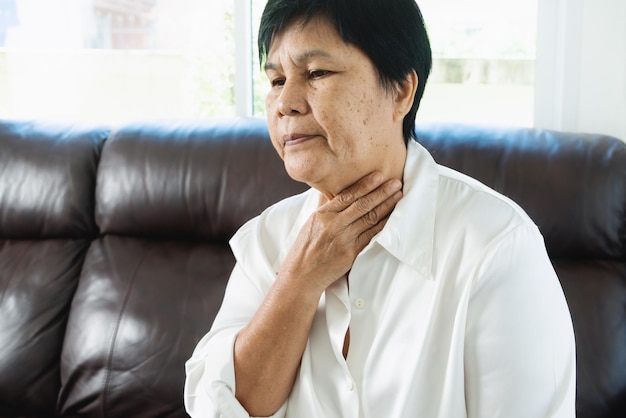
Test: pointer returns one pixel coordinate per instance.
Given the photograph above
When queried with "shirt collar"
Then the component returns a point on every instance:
(410, 230)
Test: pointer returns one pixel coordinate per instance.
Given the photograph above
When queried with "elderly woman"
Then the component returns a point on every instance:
(394, 287)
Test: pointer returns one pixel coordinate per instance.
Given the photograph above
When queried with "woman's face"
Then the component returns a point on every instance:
(329, 117)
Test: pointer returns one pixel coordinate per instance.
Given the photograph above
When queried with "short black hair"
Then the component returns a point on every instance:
(390, 32)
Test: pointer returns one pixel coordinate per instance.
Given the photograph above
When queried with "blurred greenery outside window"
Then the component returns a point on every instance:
(113, 61)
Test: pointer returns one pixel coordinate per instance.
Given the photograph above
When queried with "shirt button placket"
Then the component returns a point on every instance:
(350, 384)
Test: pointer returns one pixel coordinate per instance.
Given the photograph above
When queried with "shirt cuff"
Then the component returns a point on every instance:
(229, 407)
(210, 382)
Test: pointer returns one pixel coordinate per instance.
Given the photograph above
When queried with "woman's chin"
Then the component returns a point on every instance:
(325, 184)
(304, 172)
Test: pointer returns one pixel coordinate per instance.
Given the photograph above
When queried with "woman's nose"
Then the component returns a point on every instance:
(292, 100)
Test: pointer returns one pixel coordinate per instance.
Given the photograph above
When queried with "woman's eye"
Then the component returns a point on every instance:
(318, 73)
(277, 82)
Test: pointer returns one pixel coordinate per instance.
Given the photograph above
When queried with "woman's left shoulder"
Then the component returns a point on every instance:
(468, 205)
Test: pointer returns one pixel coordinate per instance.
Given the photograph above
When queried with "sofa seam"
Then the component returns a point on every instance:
(109, 360)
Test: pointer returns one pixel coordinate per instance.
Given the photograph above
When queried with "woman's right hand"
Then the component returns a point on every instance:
(335, 234)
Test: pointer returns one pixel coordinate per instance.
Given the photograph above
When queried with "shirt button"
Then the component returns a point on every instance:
(350, 385)
(359, 303)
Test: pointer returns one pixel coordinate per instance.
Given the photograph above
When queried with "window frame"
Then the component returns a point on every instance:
(244, 87)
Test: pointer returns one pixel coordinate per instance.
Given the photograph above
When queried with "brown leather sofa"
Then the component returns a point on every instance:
(114, 255)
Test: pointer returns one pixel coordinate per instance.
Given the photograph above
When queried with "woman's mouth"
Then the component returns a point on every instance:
(296, 139)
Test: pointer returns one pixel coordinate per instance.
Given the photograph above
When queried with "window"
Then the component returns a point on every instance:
(483, 61)
(116, 60)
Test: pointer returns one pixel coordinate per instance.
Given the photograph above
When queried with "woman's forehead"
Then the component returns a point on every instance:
(315, 38)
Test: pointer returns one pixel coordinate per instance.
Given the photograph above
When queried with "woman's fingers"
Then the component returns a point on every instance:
(373, 221)
(376, 204)
(335, 234)
(363, 197)
(354, 192)
(366, 207)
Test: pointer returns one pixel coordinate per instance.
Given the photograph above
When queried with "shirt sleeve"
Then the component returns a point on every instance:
(210, 382)
(519, 346)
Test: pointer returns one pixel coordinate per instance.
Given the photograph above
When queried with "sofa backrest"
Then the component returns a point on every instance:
(114, 255)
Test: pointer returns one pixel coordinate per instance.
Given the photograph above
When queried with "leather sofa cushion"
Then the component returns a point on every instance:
(596, 296)
(38, 282)
(186, 181)
(47, 179)
(140, 308)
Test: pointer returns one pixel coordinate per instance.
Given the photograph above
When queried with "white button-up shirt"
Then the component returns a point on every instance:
(454, 311)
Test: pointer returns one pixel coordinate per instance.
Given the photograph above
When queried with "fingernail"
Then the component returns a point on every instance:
(378, 177)
(395, 185)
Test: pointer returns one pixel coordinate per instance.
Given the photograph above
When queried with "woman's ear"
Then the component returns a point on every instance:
(405, 95)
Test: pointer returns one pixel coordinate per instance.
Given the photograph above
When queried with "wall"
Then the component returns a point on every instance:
(581, 66)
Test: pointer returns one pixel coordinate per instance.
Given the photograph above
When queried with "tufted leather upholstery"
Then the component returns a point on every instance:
(114, 255)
